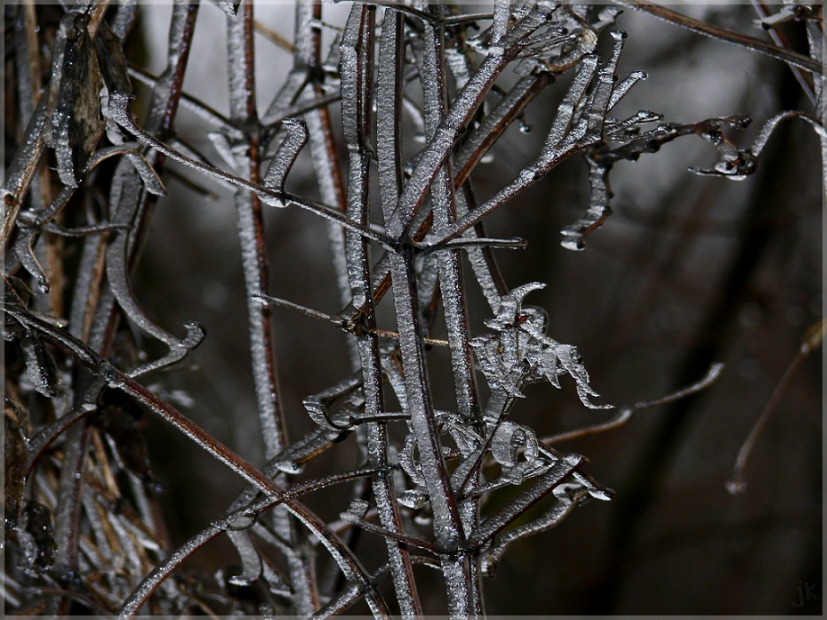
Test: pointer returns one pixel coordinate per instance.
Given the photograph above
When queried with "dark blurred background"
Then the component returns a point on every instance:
(688, 271)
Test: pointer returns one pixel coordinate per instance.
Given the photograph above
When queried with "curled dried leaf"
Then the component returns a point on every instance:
(74, 99)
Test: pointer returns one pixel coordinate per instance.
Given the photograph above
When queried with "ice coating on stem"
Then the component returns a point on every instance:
(122, 116)
(543, 485)
(622, 88)
(430, 230)
(559, 511)
(251, 567)
(117, 273)
(285, 155)
(567, 135)
(356, 52)
(456, 118)
(444, 209)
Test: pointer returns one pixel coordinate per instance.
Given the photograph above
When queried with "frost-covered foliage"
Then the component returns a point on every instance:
(84, 528)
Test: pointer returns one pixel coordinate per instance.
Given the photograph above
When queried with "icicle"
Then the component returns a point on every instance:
(574, 236)
(624, 87)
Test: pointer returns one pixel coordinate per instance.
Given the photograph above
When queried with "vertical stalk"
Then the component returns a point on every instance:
(451, 282)
(448, 529)
(357, 59)
(251, 230)
(444, 212)
(321, 142)
(29, 84)
(818, 52)
(252, 237)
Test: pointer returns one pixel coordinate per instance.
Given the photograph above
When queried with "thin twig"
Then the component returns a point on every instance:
(815, 336)
(751, 43)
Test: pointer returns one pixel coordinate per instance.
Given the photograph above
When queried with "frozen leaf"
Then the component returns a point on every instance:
(291, 460)
(571, 362)
(252, 565)
(625, 86)
(74, 99)
(318, 405)
(115, 75)
(151, 180)
(522, 351)
(464, 434)
(132, 151)
(24, 250)
(37, 538)
(508, 314)
(500, 376)
(113, 64)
